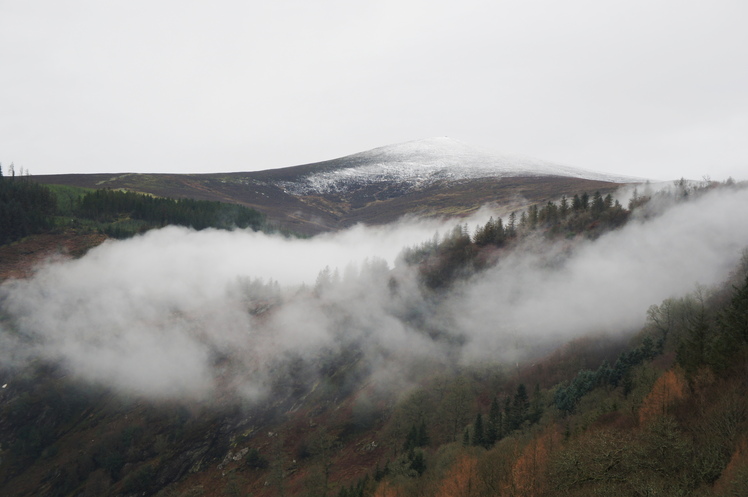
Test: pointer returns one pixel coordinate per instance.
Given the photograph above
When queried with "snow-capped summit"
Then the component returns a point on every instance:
(422, 162)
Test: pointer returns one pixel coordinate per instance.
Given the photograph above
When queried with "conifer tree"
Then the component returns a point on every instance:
(532, 216)
(536, 406)
(411, 439)
(576, 203)
(507, 414)
(423, 438)
(635, 199)
(734, 319)
(512, 226)
(499, 233)
(479, 438)
(693, 350)
(493, 430)
(417, 462)
(519, 408)
(585, 201)
(598, 204)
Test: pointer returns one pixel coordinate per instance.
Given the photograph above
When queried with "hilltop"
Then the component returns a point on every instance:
(432, 177)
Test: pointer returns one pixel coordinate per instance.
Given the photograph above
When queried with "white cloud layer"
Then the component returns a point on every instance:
(172, 313)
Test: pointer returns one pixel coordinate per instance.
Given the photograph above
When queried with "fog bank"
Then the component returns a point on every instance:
(183, 314)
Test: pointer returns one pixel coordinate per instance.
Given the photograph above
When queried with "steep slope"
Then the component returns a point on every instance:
(436, 176)
(340, 420)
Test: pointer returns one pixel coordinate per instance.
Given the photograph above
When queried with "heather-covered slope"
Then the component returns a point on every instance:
(429, 177)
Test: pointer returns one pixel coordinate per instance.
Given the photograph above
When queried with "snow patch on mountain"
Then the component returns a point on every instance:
(420, 163)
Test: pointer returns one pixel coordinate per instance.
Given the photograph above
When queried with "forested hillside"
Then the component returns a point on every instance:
(352, 409)
(666, 416)
(109, 206)
(461, 253)
(27, 207)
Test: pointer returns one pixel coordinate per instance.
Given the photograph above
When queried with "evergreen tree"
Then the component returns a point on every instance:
(499, 233)
(411, 439)
(598, 204)
(25, 208)
(381, 473)
(734, 319)
(483, 234)
(693, 350)
(549, 214)
(532, 216)
(505, 428)
(423, 438)
(493, 430)
(479, 438)
(536, 406)
(635, 199)
(479, 236)
(519, 408)
(585, 201)
(417, 437)
(417, 462)
(512, 226)
(576, 203)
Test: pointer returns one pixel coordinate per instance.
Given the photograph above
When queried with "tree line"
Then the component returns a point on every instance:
(27, 208)
(459, 253)
(111, 205)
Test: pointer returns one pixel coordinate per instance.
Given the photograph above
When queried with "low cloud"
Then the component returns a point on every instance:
(177, 313)
(553, 292)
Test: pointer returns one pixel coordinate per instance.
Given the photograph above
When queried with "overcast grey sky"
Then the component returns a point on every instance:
(651, 88)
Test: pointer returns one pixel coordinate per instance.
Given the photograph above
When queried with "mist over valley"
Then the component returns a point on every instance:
(474, 291)
(373, 249)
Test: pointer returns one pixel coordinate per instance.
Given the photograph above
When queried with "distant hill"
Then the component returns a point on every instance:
(436, 176)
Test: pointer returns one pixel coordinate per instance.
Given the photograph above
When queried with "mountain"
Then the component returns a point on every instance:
(435, 176)
(419, 164)
(513, 360)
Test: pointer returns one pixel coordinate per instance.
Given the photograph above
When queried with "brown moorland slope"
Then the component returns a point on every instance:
(431, 177)
(328, 211)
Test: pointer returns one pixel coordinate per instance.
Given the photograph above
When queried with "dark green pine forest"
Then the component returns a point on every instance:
(27, 208)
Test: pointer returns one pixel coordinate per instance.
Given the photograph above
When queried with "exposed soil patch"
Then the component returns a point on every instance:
(19, 259)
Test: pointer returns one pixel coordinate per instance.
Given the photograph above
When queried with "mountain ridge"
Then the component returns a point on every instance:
(430, 177)
(428, 160)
